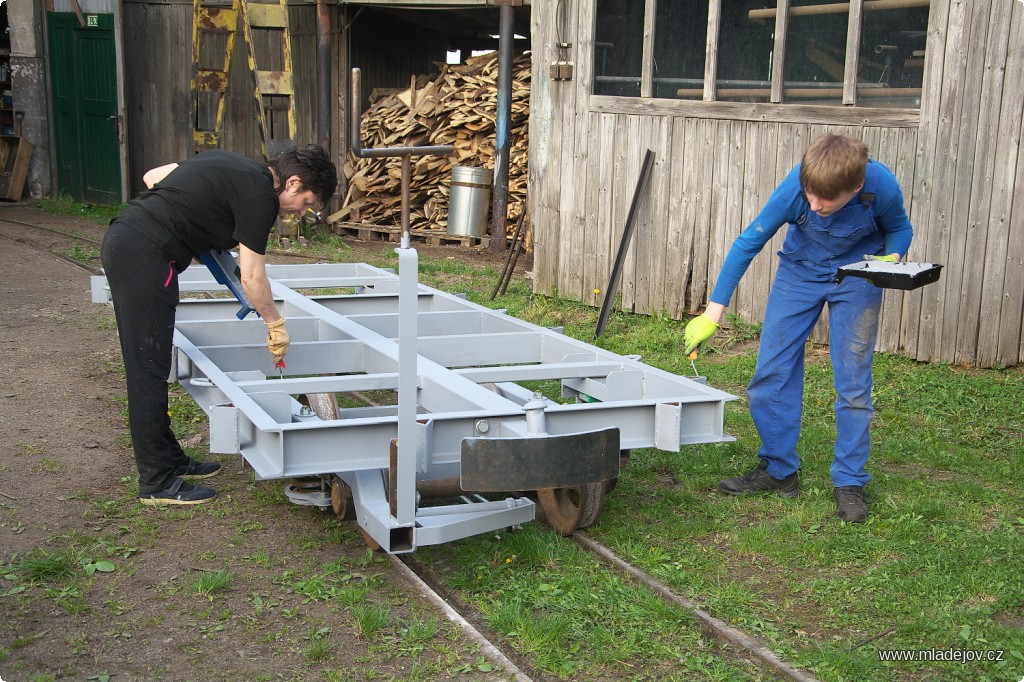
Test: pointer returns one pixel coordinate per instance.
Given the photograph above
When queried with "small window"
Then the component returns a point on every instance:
(618, 48)
(726, 50)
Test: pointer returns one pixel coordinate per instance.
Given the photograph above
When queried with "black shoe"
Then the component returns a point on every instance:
(851, 503)
(180, 492)
(757, 480)
(197, 469)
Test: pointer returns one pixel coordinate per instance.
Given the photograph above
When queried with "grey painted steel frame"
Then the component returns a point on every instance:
(461, 346)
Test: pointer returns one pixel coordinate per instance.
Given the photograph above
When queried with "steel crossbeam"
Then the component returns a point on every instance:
(457, 370)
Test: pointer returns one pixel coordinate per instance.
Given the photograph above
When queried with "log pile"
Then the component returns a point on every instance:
(457, 107)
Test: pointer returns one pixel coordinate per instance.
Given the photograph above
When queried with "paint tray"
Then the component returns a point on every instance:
(892, 275)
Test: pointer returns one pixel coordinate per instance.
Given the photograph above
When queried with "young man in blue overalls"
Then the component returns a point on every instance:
(841, 208)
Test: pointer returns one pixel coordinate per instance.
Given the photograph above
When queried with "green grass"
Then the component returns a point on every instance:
(937, 566)
(64, 206)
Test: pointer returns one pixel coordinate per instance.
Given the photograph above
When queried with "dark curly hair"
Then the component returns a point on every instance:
(312, 165)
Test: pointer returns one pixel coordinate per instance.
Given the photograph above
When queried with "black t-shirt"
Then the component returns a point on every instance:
(215, 200)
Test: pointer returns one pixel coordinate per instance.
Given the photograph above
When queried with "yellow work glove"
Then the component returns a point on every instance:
(890, 258)
(698, 330)
(277, 340)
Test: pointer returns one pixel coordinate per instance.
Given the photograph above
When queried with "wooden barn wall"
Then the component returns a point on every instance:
(960, 162)
(158, 76)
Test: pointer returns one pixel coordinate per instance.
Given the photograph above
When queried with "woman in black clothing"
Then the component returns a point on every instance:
(215, 200)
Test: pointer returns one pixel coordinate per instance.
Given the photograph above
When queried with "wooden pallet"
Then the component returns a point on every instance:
(392, 234)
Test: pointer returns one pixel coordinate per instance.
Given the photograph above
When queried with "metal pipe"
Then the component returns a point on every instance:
(356, 135)
(503, 117)
(323, 75)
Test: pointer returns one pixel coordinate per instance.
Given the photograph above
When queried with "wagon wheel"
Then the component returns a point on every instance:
(611, 483)
(324, 405)
(566, 509)
(341, 500)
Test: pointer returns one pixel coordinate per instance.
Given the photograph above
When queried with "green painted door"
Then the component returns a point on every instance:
(84, 77)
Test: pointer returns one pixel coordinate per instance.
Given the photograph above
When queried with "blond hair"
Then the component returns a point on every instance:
(833, 165)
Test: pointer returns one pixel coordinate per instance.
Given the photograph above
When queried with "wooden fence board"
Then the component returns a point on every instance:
(701, 188)
(1002, 295)
(545, 147)
(959, 231)
(679, 222)
(655, 266)
(979, 209)
(599, 195)
(923, 187)
(629, 158)
(946, 159)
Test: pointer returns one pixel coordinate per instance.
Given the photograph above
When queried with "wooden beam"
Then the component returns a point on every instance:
(852, 52)
(647, 62)
(711, 52)
(779, 51)
(837, 8)
(803, 93)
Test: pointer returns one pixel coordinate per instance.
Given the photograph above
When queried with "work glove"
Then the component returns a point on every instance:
(698, 330)
(277, 340)
(890, 258)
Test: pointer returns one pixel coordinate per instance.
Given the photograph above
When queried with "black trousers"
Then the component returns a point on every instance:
(144, 289)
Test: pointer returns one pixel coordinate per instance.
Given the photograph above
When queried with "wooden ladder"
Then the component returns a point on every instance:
(212, 28)
(268, 46)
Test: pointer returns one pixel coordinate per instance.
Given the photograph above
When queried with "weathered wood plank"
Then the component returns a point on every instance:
(743, 300)
(959, 230)
(853, 30)
(1002, 300)
(946, 156)
(711, 50)
(701, 182)
(647, 60)
(740, 111)
(759, 183)
(548, 104)
(923, 187)
(779, 50)
(679, 223)
(576, 165)
(629, 158)
(978, 222)
(654, 269)
(599, 194)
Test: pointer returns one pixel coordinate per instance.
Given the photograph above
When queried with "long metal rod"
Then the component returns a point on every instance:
(356, 139)
(507, 270)
(503, 117)
(627, 235)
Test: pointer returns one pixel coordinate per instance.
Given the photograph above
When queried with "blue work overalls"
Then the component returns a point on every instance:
(814, 248)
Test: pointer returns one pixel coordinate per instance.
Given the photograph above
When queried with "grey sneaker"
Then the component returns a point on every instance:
(851, 503)
(757, 480)
(179, 492)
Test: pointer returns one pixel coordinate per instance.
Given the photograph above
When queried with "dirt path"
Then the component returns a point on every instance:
(304, 598)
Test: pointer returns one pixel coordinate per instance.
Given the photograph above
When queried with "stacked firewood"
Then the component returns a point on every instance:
(456, 106)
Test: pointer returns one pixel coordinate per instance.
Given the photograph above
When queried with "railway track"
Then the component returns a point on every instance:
(56, 242)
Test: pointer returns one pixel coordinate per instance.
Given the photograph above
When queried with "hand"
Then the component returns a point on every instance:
(891, 258)
(698, 330)
(277, 340)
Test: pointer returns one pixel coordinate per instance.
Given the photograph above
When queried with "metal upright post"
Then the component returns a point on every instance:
(502, 120)
(403, 473)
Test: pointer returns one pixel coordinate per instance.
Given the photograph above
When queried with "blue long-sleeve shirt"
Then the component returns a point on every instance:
(786, 206)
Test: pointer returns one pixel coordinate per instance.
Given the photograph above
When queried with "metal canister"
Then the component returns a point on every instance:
(469, 203)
